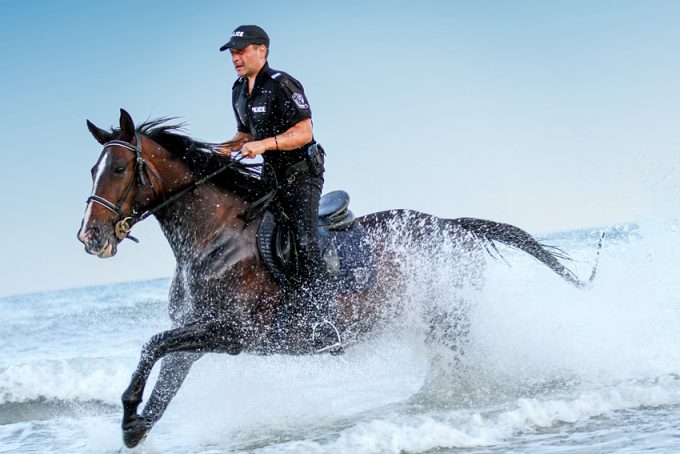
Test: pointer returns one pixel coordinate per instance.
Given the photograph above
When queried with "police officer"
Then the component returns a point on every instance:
(274, 120)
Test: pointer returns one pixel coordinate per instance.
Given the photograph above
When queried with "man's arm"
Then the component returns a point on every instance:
(235, 143)
(295, 137)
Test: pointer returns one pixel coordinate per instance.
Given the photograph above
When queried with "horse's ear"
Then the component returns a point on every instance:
(100, 135)
(127, 126)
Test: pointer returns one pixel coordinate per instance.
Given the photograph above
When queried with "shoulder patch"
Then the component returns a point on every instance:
(300, 101)
(275, 75)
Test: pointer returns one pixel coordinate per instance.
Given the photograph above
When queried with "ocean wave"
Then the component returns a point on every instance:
(45, 409)
(398, 433)
(79, 379)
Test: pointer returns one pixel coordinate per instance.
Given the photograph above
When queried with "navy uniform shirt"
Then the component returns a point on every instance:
(276, 103)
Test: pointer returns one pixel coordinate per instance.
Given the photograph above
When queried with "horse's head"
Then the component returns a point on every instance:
(122, 187)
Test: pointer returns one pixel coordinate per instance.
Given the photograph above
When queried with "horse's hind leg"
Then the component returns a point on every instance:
(449, 327)
(196, 339)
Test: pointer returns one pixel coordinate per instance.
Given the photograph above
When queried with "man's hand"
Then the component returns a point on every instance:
(234, 145)
(252, 149)
(230, 147)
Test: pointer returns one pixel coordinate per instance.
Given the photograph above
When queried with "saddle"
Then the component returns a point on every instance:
(342, 241)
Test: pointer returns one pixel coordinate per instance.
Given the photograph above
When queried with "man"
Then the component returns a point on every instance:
(274, 119)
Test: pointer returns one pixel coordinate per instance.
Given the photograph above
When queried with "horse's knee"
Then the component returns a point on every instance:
(152, 344)
(152, 351)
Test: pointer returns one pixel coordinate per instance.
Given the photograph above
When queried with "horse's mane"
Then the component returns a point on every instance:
(201, 159)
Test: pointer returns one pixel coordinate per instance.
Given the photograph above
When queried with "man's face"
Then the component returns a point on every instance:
(249, 60)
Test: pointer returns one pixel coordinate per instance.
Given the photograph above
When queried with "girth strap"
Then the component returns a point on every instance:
(258, 206)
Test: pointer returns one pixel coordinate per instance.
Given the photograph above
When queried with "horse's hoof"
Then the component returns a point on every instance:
(135, 430)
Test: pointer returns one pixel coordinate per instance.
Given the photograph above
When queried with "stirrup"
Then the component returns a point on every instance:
(335, 348)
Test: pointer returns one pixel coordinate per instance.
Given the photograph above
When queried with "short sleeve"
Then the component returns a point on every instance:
(292, 102)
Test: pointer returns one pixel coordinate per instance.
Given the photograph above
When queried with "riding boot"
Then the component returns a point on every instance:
(318, 300)
(306, 319)
(312, 284)
(325, 333)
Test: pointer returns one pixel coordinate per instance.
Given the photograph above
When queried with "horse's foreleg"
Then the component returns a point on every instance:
(174, 369)
(187, 339)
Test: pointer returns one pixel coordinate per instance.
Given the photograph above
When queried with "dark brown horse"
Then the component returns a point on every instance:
(222, 298)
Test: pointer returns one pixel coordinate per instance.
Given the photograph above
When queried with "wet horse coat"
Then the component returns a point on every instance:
(222, 297)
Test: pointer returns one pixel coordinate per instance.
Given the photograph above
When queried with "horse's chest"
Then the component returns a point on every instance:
(200, 295)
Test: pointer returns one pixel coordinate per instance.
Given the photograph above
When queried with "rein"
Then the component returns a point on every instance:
(125, 223)
(181, 193)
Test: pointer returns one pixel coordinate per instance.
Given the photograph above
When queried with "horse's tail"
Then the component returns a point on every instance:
(490, 231)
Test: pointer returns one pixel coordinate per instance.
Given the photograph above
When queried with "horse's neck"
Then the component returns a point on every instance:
(201, 217)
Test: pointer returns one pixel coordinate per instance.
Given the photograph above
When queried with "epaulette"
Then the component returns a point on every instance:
(274, 74)
(285, 79)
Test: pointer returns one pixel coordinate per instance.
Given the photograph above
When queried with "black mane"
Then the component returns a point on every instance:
(202, 160)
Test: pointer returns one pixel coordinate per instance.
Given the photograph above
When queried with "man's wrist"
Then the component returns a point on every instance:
(273, 144)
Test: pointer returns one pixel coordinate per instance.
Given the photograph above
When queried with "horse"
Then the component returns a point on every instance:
(223, 298)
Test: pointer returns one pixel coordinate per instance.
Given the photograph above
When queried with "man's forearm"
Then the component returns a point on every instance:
(298, 135)
(295, 137)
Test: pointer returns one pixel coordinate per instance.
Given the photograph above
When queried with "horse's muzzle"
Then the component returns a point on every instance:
(96, 243)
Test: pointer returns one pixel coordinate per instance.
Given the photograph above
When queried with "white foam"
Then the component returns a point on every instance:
(530, 326)
(236, 400)
(101, 379)
(466, 429)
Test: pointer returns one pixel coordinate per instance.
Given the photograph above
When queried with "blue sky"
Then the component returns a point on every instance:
(549, 115)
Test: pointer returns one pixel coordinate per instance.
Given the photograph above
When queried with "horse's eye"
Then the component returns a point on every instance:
(118, 170)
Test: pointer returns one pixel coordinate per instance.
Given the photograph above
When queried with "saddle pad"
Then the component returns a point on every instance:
(357, 263)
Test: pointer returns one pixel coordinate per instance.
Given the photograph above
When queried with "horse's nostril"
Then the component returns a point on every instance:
(84, 235)
(91, 237)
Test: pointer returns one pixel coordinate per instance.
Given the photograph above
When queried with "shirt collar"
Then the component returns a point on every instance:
(259, 79)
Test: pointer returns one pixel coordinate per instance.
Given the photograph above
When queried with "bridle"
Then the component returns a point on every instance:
(142, 168)
(141, 174)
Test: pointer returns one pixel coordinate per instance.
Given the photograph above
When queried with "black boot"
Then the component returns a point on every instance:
(287, 333)
(326, 336)
(299, 200)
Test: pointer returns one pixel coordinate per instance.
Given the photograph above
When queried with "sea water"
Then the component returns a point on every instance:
(547, 368)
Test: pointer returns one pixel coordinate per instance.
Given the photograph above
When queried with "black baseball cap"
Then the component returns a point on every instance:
(244, 35)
